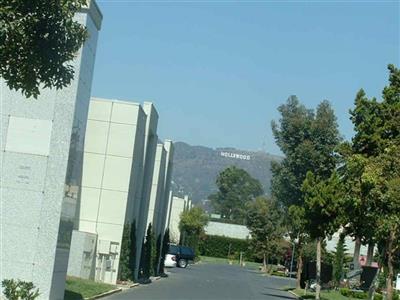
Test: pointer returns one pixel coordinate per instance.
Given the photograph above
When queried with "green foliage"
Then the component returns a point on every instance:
(192, 225)
(125, 272)
(308, 139)
(38, 39)
(264, 220)
(17, 289)
(339, 260)
(309, 252)
(235, 188)
(353, 294)
(133, 250)
(323, 205)
(164, 250)
(156, 256)
(147, 252)
(221, 246)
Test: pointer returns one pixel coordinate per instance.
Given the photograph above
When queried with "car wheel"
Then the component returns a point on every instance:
(182, 263)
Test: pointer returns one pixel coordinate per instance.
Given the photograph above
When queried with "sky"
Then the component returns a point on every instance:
(218, 70)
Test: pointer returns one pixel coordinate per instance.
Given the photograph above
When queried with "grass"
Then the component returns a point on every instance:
(77, 288)
(325, 295)
(225, 261)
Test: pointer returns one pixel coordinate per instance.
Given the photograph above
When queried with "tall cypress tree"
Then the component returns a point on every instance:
(124, 270)
(340, 254)
(147, 253)
(164, 251)
(133, 250)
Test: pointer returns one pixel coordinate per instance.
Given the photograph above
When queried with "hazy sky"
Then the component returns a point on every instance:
(218, 70)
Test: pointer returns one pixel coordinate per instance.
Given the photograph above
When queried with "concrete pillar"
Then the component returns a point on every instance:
(42, 149)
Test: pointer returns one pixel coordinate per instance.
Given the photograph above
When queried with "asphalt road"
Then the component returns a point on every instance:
(211, 282)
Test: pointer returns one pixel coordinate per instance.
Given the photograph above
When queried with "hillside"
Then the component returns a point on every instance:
(196, 168)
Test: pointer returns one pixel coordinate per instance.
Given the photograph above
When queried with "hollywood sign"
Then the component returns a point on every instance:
(235, 155)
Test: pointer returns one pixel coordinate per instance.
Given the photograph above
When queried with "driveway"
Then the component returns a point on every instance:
(211, 282)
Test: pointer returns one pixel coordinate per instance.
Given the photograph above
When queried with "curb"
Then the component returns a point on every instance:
(290, 292)
(104, 294)
(155, 278)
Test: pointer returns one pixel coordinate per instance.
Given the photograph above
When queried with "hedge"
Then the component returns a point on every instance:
(218, 246)
(353, 294)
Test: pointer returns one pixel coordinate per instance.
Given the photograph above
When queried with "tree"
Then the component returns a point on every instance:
(147, 252)
(340, 255)
(133, 250)
(235, 188)
(38, 39)
(307, 138)
(164, 250)
(264, 220)
(192, 225)
(124, 271)
(371, 170)
(384, 174)
(157, 255)
(323, 212)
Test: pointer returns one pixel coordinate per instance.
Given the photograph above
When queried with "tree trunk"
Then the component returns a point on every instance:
(370, 253)
(299, 265)
(356, 256)
(318, 269)
(389, 279)
(264, 263)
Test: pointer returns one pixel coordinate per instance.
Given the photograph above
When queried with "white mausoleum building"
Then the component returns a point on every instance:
(42, 150)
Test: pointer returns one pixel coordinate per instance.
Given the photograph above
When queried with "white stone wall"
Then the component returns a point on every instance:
(350, 244)
(42, 147)
(228, 230)
(112, 172)
(157, 189)
(141, 207)
(177, 207)
(82, 256)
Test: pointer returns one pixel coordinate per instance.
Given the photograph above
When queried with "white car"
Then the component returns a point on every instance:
(170, 261)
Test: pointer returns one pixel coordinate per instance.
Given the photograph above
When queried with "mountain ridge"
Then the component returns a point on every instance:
(196, 168)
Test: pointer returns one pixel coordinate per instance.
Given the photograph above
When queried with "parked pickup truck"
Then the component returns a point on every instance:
(183, 255)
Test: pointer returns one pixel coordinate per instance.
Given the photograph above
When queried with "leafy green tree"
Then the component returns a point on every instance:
(38, 40)
(384, 174)
(164, 250)
(125, 271)
(323, 212)
(235, 188)
(307, 138)
(264, 220)
(192, 225)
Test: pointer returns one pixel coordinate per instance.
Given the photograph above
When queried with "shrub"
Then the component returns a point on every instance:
(220, 246)
(353, 294)
(17, 289)
(378, 296)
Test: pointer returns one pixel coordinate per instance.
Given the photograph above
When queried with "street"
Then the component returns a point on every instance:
(211, 281)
